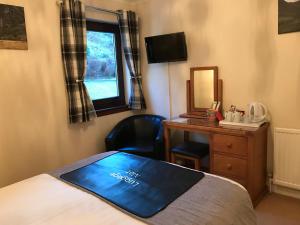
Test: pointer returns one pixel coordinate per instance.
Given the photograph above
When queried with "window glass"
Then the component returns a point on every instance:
(101, 78)
(104, 76)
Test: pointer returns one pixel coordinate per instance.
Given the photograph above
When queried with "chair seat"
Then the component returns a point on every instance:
(192, 149)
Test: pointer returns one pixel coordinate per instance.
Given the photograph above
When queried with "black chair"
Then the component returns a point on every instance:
(140, 134)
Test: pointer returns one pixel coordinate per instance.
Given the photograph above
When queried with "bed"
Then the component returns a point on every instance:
(46, 199)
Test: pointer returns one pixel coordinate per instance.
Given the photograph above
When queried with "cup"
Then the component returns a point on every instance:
(228, 116)
(247, 118)
(237, 117)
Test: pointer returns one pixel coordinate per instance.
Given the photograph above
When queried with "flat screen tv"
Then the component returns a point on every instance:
(166, 48)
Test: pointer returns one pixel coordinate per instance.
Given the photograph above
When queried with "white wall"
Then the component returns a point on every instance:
(240, 37)
(35, 135)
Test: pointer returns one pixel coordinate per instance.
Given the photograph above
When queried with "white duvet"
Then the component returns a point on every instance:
(45, 200)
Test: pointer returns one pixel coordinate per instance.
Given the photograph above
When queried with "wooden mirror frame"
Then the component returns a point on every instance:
(201, 111)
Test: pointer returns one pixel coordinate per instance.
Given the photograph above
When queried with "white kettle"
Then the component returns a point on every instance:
(257, 112)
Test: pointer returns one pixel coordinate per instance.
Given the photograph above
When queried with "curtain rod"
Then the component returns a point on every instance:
(103, 10)
(95, 8)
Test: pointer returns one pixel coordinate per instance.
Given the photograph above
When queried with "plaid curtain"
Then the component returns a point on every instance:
(128, 22)
(73, 41)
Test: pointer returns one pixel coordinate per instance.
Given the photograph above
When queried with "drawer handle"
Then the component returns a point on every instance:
(229, 145)
(229, 166)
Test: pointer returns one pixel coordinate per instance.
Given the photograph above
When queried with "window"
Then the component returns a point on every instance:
(104, 78)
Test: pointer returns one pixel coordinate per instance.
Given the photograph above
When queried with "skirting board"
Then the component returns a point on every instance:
(285, 191)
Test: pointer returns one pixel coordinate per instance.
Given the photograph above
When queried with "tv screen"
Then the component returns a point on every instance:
(166, 48)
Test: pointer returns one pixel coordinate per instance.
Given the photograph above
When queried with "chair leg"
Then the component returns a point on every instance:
(197, 164)
(173, 158)
(186, 136)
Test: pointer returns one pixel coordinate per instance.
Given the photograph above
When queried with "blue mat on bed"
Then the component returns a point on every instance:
(139, 185)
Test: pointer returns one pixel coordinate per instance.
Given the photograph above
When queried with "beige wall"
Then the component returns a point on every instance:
(34, 132)
(240, 37)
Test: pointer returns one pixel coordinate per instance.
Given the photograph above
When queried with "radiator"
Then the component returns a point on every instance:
(287, 158)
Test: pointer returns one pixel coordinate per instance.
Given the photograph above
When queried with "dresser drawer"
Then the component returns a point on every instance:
(229, 166)
(230, 144)
(240, 181)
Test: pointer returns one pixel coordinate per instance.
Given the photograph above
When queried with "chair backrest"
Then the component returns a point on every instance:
(143, 127)
(146, 127)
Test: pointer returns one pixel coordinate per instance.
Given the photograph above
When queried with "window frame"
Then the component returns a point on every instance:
(115, 104)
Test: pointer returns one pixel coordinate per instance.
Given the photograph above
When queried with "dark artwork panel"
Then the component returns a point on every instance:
(288, 16)
(12, 27)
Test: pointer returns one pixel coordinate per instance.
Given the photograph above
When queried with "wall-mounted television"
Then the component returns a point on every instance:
(166, 48)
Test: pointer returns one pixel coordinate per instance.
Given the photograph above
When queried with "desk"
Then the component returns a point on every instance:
(237, 154)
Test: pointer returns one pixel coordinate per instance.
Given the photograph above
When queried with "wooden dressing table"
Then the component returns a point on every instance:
(235, 153)
(240, 155)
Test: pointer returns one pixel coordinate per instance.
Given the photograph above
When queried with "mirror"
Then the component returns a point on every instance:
(204, 91)
(203, 88)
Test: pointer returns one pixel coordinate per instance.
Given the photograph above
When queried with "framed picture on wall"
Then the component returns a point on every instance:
(288, 16)
(12, 27)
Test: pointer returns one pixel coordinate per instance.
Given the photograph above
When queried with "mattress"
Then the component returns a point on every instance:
(44, 199)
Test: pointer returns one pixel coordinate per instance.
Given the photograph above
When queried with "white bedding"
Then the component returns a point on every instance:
(44, 200)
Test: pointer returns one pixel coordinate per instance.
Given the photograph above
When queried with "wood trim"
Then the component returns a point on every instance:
(193, 115)
(188, 96)
(209, 128)
(18, 45)
(192, 82)
(211, 153)
(113, 110)
(220, 94)
(167, 142)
